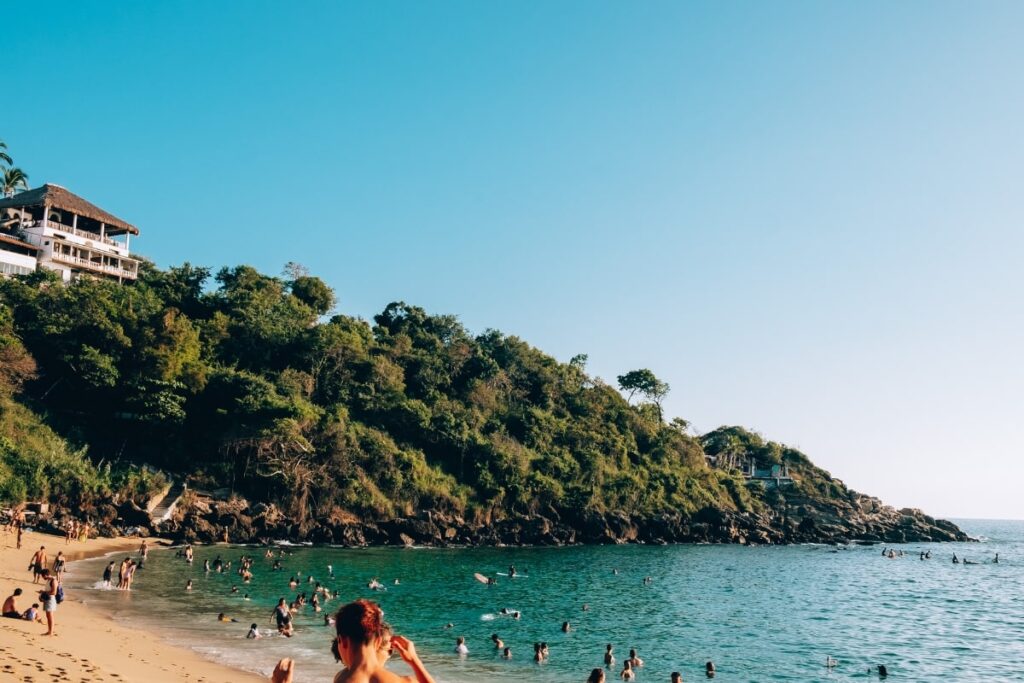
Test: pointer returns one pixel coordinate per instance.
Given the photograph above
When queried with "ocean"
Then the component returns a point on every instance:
(759, 613)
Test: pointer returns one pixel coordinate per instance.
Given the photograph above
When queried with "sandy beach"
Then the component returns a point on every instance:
(89, 646)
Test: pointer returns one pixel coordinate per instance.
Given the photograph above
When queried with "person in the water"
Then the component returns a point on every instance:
(635, 661)
(596, 676)
(566, 627)
(709, 669)
(677, 677)
(254, 632)
(956, 560)
(609, 656)
(507, 654)
(511, 570)
(497, 641)
(188, 585)
(627, 671)
(460, 646)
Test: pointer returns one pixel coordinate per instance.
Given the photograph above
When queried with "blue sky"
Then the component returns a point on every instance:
(805, 216)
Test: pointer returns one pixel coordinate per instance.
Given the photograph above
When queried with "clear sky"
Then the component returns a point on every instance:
(805, 216)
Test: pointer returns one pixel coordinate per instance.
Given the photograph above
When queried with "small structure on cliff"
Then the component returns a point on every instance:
(68, 234)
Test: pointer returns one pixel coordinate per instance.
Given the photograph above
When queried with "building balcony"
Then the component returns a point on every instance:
(71, 230)
(96, 266)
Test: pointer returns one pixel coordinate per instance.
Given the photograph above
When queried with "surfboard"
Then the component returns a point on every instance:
(481, 578)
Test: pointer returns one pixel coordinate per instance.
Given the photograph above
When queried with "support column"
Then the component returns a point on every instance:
(127, 236)
(74, 221)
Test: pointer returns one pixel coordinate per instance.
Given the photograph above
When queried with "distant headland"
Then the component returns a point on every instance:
(238, 406)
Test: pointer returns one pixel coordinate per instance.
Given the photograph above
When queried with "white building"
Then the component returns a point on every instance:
(16, 257)
(72, 236)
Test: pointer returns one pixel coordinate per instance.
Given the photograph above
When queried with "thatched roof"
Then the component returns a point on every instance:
(57, 197)
(16, 242)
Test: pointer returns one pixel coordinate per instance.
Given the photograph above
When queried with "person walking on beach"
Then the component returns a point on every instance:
(38, 564)
(362, 636)
(50, 602)
(59, 563)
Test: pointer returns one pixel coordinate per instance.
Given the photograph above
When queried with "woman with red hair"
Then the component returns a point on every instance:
(363, 644)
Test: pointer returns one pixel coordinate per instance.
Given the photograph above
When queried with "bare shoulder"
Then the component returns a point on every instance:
(386, 676)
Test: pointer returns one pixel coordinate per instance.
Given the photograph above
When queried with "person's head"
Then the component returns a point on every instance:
(596, 676)
(608, 648)
(253, 627)
(882, 671)
(220, 616)
(632, 653)
(627, 665)
(460, 641)
(17, 592)
(282, 602)
(565, 625)
(358, 624)
(494, 637)
(35, 605)
(677, 677)
(536, 647)
(45, 573)
(508, 652)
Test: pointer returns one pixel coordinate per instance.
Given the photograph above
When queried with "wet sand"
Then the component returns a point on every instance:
(88, 647)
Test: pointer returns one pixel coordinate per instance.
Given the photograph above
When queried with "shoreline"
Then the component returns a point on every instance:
(90, 645)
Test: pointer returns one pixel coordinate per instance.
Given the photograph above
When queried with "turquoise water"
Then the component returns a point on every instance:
(761, 614)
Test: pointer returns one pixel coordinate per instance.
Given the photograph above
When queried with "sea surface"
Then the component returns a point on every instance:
(759, 613)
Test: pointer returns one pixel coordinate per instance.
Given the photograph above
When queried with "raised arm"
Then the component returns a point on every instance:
(407, 651)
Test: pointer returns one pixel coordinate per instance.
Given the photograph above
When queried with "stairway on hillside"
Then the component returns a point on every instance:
(165, 507)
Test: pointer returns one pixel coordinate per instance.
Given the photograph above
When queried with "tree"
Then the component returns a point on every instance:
(313, 292)
(644, 382)
(4, 156)
(12, 180)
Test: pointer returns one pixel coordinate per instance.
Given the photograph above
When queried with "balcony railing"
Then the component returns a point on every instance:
(84, 234)
(92, 265)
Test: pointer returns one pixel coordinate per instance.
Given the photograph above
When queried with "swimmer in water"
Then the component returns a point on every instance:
(627, 671)
(460, 647)
(566, 627)
(609, 656)
(497, 641)
(996, 561)
(677, 677)
(635, 661)
(226, 619)
(254, 632)
(188, 585)
(596, 676)
(507, 654)
(709, 669)
(956, 560)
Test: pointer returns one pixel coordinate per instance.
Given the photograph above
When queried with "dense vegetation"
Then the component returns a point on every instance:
(247, 384)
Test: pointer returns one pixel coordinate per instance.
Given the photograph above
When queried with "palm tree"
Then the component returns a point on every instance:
(4, 156)
(11, 180)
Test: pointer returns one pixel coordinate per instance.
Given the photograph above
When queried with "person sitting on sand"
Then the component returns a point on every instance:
(635, 661)
(32, 613)
(254, 632)
(361, 635)
(609, 657)
(627, 671)
(10, 609)
(460, 647)
(596, 676)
